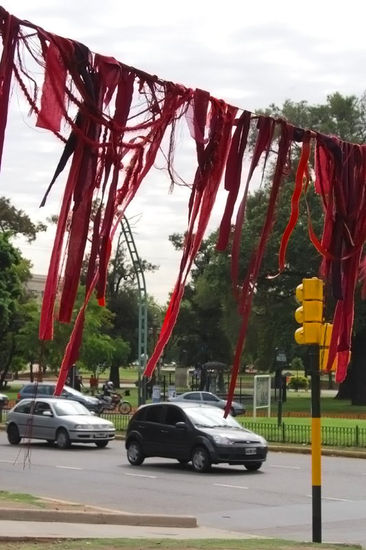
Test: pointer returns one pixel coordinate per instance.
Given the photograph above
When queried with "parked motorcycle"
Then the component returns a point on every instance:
(113, 402)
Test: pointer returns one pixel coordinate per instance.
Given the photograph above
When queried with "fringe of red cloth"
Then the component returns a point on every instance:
(117, 118)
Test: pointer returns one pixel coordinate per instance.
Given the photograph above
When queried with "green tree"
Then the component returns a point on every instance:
(16, 222)
(13, 273)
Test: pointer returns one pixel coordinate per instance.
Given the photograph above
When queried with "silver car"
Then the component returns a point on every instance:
(208, 398)
(57, 420)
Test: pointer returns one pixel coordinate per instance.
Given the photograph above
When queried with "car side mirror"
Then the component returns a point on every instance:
(47, 413)
(181, 425)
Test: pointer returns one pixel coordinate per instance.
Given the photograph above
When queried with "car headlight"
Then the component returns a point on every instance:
(262, 440)
(222, 440)
(83, 427)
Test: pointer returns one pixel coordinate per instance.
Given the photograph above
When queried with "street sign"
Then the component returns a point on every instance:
(281, 357)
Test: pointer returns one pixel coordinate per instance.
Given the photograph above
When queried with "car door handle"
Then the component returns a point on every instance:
(164, 431)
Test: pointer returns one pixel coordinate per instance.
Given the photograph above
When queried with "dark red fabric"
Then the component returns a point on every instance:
(265, 127)
(52, 101)
(295, 199)
(233, 176)
(9, 32)
(110, 153)
(207, 180)
(247, 290)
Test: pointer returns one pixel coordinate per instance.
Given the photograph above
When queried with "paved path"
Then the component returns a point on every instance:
(31, 529)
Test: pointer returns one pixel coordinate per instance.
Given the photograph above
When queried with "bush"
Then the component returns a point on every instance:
(298, 383)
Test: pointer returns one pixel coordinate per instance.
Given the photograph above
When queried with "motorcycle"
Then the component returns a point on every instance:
(113, 402)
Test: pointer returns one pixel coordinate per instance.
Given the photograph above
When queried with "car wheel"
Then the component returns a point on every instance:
(134, 453)
(232, 411)
(13, 434)
(101, 444)
(252, 466)
(62, 439)
(125, 407)
(201, 459)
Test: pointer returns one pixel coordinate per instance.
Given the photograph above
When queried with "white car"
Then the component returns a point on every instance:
(208, 398)
(57, 420)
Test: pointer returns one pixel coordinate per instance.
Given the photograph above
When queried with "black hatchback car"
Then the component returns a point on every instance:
(192, 432)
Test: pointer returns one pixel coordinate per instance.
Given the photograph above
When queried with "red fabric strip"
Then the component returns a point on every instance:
(295, 199)
(9, 32)
(265, 127)
(202, 203)
(52, 106)
(233, 176)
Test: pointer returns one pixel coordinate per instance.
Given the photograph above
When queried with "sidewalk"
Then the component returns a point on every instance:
(26, 524)
(27, 530)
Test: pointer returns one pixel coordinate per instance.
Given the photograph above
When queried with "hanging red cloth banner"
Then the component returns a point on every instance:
(113, 119)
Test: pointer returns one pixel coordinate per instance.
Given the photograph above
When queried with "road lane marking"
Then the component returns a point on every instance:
(230, 486)
(69, 467)
(284, 467)
(141, 475)
(333, 498)
(340, 499)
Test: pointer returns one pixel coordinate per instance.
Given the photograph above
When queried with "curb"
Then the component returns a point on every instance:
(102, 518)
(354, 453)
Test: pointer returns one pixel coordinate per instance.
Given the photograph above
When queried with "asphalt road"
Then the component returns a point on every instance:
(275, 501)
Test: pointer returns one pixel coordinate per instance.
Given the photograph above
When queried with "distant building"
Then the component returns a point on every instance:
(36, 284)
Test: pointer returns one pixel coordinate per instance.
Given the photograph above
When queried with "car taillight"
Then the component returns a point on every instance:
(18, 396)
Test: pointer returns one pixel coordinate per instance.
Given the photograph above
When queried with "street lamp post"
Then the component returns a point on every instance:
(281, 362)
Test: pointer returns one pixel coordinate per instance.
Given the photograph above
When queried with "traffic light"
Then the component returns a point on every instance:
(324, 343)
(310, 313)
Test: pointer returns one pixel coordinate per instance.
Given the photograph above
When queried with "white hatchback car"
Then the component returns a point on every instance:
(57, 420)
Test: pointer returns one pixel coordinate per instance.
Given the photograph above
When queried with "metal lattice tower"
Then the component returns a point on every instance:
(142, 323)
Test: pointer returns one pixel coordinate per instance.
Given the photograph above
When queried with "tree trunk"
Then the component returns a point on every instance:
(354, 386)
(114, 376)
(4, 372)
(31, 375)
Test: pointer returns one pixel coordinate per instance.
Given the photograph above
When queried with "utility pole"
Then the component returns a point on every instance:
(316, 451)
(310, 315)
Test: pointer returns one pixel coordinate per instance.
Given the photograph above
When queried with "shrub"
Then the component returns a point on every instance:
(298, 383)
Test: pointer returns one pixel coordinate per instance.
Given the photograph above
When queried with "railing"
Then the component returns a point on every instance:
(301, 434)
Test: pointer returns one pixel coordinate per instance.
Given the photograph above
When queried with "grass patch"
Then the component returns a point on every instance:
(23, 498)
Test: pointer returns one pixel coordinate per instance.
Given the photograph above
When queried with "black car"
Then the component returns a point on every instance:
(192, 432)
(46, 389)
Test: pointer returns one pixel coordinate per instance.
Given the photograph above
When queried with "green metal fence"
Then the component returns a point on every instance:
(301, 434)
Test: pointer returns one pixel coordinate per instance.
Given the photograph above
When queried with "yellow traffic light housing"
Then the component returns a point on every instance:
(310, 313)
(325, 337)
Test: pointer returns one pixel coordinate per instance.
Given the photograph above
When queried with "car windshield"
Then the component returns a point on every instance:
(211, 418)
(69, 408)
(71, 390)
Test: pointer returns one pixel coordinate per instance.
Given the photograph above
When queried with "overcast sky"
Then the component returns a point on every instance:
(250, 54)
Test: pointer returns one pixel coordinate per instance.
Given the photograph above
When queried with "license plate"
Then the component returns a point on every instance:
(251, 451)
(102, 435)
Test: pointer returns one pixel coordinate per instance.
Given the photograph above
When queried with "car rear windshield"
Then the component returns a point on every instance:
(69, 408)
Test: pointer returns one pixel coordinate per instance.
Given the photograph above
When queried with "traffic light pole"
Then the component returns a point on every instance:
(313, 333)
(315, 442)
